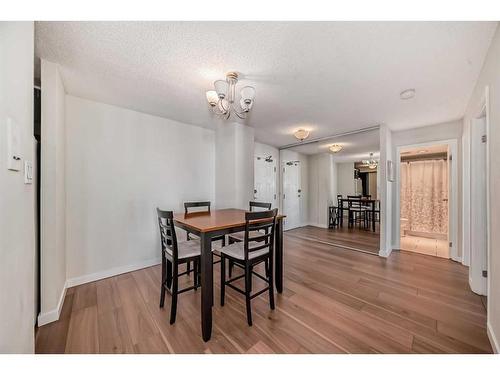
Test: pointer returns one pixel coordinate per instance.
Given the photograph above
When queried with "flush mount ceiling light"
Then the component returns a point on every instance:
(222, 98)
(301, 134)
(372, 163)
(335, 148)
(407, 94)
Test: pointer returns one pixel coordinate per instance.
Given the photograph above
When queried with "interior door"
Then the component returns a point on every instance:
(265, 180)
(291, 195)
(479, 240)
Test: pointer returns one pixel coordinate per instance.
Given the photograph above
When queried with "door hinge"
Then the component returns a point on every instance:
(451, 244)
(483, 138)
(283, 196)
(450, 158)
(274, 169)
(274, 196)
(485, 273)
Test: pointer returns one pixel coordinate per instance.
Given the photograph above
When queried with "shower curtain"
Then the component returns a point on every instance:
(424, 195)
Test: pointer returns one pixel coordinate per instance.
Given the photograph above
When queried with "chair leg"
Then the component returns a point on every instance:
(266, 265)
(248, 277)
(231, 265)
(188, 265)
(271, 284)
(196, 268)
(169, 274)
(222, 279)
(175, 289)
(163, 279)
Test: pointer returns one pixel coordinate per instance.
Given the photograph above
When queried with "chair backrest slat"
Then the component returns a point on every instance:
(258, 221)
(265, 206)
(188, 205)
(168, 236)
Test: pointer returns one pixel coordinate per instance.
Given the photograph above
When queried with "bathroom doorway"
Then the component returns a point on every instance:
(424, 191)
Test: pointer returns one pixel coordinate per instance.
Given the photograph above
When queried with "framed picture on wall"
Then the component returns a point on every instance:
(390, 171)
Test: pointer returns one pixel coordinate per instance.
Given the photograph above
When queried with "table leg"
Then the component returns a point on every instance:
(341, 215)
(206, 285)
(278, 251)
(373, 216)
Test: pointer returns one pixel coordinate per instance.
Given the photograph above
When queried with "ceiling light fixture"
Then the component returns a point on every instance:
(222, 98)
(335, 148)
(301, 134)
(372, 163)
(407, 94)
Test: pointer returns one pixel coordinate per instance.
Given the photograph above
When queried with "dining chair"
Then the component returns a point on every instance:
(240, 236)
(173, 254)
(357, 211)
(252, 251)
(189, 236)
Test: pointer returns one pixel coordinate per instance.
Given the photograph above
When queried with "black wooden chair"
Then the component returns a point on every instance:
(357, 211)
(191, 236)
(240, 236)
(249, 253)
(173, 254)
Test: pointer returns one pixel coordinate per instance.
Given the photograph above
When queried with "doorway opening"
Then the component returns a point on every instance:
(424, 193)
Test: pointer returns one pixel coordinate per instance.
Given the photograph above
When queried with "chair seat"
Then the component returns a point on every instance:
(240, 236)
(187, 249)
(237, 251)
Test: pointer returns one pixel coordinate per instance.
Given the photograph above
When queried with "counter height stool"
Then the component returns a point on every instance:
(249, 253)
(173, 254)
(239, 237)
(191, 236)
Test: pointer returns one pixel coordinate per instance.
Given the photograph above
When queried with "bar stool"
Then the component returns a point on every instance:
(173, 254)
(249, 253)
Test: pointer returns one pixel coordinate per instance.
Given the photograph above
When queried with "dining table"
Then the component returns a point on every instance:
(215, 223)
(371, 203)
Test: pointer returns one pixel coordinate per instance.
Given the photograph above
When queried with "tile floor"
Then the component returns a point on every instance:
(427, 246)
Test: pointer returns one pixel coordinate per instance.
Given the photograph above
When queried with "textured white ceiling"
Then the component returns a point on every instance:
(327, 76)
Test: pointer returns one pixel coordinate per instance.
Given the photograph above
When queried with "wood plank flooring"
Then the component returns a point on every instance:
(348, 238)
(335, 301)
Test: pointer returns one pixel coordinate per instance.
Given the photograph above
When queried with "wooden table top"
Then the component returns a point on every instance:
(214, 220)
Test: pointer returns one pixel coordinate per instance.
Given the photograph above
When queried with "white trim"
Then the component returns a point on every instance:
(493, 338)
(53, 315)
(111, 272)
(325, 226)
(453, 194)
(385, 254)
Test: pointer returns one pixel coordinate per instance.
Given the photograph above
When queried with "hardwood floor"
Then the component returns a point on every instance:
(335, 301)
(348, 238)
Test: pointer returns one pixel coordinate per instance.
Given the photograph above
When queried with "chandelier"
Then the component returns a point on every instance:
(372, 163)
(222, 99)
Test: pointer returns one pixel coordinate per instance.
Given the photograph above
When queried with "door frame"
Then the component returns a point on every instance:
(483, 107)
(452, 194)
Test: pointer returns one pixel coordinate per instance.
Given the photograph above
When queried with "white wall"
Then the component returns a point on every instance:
(234, 165)
(53, 193)
(345, 179)
(490, 77)
(431, 133)
(288, 155)
(17, 204)
(120, 166)
(322, 188)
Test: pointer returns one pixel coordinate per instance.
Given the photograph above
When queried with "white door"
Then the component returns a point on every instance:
(479, 241)
(265, 180)
(291, 194)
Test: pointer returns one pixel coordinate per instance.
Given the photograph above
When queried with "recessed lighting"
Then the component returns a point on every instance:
(407, 94)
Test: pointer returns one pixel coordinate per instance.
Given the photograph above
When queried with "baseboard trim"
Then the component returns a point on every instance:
(53, 315)
(111, 272)
(324, 226)
(493, 338)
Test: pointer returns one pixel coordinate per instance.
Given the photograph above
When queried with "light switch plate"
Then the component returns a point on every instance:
(14, 162)
(28, 172)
